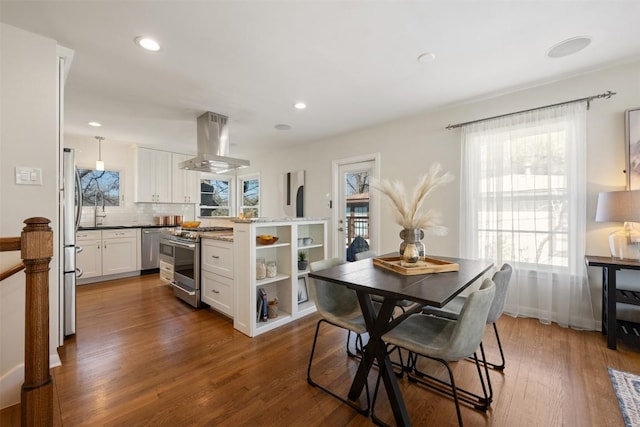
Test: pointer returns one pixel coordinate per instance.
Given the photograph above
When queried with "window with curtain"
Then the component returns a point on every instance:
(523, 202)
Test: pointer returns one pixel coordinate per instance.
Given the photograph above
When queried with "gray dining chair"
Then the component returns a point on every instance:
(452, 310)
(445, 340)
(338, 306)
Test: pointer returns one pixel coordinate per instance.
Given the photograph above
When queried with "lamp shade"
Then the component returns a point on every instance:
(618, 206)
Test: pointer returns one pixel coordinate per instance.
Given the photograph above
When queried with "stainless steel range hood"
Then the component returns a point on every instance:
(213, 146)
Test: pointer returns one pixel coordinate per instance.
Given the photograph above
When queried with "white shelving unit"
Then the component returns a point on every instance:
(284, 285)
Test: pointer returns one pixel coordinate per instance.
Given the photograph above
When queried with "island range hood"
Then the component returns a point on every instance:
(213, 146)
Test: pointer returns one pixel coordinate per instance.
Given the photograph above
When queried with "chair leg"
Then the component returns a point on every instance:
(501, 366)
(481, 403)
(454, 390)
(311, 382)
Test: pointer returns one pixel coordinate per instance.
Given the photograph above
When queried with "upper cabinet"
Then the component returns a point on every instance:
(185, 183)
(153, 176)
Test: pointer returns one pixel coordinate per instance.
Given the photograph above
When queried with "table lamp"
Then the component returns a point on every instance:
(621, 206)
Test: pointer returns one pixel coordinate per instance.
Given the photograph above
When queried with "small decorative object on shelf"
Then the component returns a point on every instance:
(263, 310)
(265, 239)
(261, 269)
(272, 269)
(303, 295)
(302, 261)
(407, 211)
(272, 311)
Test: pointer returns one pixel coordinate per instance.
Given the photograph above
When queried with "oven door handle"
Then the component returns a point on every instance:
(187, 290)
(184, 245)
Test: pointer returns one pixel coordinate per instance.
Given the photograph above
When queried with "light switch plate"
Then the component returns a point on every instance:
(28, 176)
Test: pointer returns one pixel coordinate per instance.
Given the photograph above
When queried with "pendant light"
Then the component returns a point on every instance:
(99, 162)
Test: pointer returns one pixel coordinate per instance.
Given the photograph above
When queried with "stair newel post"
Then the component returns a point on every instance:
(37, 390)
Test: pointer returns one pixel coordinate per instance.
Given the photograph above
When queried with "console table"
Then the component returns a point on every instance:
(611, 295)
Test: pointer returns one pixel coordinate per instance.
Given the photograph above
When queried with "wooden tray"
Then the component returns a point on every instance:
(429, 265)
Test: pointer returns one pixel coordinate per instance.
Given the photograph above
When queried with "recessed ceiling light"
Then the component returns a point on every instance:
(95, 124)
(426, 57)
(147, 43)
(569, 47)
(282, 126)
(299, 105)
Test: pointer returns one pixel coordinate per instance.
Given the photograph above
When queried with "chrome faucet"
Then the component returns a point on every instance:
(100, 214)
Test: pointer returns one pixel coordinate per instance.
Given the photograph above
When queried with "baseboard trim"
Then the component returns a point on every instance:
(11, 382)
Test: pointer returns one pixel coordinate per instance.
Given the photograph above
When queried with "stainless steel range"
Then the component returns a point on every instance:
(181, 249)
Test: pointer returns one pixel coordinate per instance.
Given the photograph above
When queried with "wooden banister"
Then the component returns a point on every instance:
(36, 248)
(10, 272)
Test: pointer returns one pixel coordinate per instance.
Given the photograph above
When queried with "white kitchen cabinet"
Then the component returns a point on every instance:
(217, 278)
(286, 283)
(89, 259)
(119, 251)
(114, 253)
(166, 272)
(185, 183)
(153, 176)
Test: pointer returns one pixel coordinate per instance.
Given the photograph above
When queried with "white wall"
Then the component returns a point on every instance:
(27, 138)
(407, 147)
(120, 156)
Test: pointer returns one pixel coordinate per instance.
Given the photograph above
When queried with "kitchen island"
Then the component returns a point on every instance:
(283, 287)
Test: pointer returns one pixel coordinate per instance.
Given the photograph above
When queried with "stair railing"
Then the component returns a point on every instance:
(36, 246)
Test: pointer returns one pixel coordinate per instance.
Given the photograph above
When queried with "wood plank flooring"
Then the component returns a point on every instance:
(141, 357)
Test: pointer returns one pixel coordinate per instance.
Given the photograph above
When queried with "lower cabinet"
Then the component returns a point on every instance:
(217, 292)
(107, 253)
(166, 272)
(216, 278)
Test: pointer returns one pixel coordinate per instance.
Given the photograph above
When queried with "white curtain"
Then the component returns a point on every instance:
(523, 203)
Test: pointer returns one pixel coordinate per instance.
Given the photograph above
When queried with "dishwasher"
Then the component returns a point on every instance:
(150, 261)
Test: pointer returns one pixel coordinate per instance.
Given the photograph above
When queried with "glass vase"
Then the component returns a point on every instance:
(412, 248)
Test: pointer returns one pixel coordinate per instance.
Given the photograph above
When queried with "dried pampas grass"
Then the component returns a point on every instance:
(407, 212)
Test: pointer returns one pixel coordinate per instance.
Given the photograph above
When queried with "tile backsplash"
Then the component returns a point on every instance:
(137, 213)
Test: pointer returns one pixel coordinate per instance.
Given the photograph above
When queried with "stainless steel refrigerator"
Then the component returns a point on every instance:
(71, 213)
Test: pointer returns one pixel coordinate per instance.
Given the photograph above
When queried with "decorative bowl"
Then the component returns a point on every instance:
(266, 239)
(190, 224)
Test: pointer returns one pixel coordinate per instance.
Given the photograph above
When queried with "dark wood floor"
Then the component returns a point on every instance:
(142, 357)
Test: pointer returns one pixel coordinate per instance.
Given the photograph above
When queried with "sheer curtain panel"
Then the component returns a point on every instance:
(523, 202)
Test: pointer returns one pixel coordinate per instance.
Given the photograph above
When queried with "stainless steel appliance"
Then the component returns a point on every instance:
(181, 249)
(71, 214)
(150, 245)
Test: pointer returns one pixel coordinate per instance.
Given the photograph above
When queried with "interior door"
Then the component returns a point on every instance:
(355, 212)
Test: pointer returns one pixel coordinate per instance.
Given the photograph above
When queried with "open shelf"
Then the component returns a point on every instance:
(274, 245)
(279, 276)
(319, 245)
(283, 317)
(284, 285)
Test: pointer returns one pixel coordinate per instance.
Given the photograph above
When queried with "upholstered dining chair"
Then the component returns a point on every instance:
(445, 340)
(338, 306)
(501, 278)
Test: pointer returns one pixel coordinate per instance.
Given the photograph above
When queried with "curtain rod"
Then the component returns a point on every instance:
(608, 94)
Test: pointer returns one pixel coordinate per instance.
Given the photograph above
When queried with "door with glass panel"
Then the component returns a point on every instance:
(354, 212)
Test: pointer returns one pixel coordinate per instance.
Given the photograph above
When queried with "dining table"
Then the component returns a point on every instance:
(367, 279)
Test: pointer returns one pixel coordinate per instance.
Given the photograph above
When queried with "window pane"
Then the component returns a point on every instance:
(103, 184)
(250, 192)
(214, 192)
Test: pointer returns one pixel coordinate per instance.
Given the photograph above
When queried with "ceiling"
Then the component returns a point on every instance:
(353, 63)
